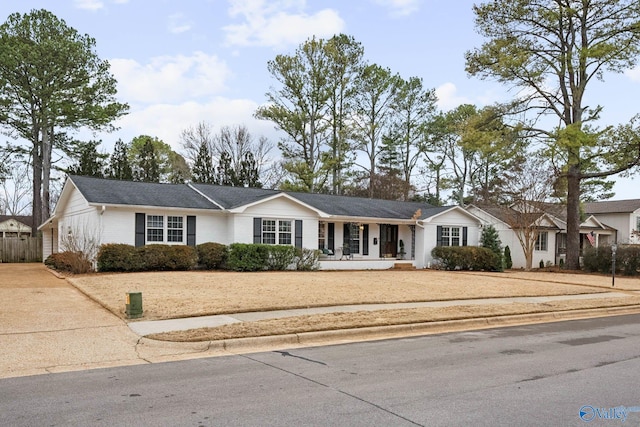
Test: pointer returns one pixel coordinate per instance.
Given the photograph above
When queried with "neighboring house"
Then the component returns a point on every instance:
(622, 215)
(551, 243)
(355, 233)
(15, 226)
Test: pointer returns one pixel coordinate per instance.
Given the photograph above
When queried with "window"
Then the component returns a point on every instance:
(322, 240)
(562, 243)
(269, 231)
(174, 229)
(638, 223)
(284, 229)
(354, 239)
(541, 241)
(155, 228)
(450, 236)
(277, 231)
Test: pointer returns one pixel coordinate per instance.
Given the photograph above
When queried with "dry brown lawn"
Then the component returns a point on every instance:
(169, 295)
(360, 319)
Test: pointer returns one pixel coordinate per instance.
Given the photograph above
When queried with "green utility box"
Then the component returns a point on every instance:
(133, 307)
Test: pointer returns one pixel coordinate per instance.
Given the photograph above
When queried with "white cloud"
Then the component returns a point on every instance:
(169, 79)
(279, 23)
(633, 74)
(400, 7)
(178, 23)
(89, 4)
(448, 97)
(167, 121)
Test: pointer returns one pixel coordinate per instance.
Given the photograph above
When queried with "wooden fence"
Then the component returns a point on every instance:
(21, 249)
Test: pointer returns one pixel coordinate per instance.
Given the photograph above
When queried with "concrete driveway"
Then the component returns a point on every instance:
(46, 325)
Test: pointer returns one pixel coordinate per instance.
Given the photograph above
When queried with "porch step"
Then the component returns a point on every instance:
(403, 266)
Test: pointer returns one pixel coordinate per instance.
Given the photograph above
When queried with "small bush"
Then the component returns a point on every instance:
(167, 257)
(212, 256)
(600, 259)
(307, 259)
(280, 257)
(247, 257)
(467, 258)
(541, 264)
(70, 262)
(508, 262)
(118, 257)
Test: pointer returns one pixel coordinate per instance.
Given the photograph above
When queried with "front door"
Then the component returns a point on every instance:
(388, 241)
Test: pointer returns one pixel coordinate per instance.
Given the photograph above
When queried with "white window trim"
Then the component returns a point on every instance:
(538, 243)
(277, 232)
(449, 235)
(165, 230)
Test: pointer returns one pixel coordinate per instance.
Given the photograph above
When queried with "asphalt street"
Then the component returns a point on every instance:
(566, 373)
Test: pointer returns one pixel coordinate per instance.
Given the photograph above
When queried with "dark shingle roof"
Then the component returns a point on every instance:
(114, 192)
(105, 191)
(612, 206)
(231, 197)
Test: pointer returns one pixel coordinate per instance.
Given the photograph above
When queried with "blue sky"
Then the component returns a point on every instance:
(182, 62)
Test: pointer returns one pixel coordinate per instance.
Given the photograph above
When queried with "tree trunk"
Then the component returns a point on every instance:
(47, 145)
(573, 219)
(36, 201)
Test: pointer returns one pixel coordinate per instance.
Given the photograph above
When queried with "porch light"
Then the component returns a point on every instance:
(361, 227)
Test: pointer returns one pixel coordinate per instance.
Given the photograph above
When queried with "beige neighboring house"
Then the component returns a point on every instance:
(622, 215)
(12, 226)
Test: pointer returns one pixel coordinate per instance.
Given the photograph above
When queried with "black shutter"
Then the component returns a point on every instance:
(139, 240)
(464, 236)
(439, 235)
(332, 233)
(257, 230)
(299, 233)
(365, 239)
(191, 230)
(346, 235)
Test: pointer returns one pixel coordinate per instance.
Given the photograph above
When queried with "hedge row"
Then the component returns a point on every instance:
(600, 260)
(467, 258)
(210, 256)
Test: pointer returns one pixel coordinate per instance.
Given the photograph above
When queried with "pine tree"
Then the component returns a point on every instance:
(203, 171)
(147, 167)
(508, 262)
(90, 162)
(119, 166)
(490, 239)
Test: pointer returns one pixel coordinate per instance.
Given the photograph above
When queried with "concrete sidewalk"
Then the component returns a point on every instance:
(149, 327)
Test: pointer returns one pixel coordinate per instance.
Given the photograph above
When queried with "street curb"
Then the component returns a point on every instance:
(373, 333)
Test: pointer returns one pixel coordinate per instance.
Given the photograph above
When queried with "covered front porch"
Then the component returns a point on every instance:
(366, 264)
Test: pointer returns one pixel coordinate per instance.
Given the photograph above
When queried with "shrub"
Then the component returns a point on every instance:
(71, 262)
(167, 257)
(541, 264)
(600, 259)
(467, 258)
(280, 257)
(490, 240)
(247, 257)
(307, 259)
(508, 262)
(118, 257)
(212, 256)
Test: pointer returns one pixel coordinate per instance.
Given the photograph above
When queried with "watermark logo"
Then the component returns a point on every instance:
(589, 413)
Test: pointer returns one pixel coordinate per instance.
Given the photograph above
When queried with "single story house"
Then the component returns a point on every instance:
(12, 226)
(354, 233)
